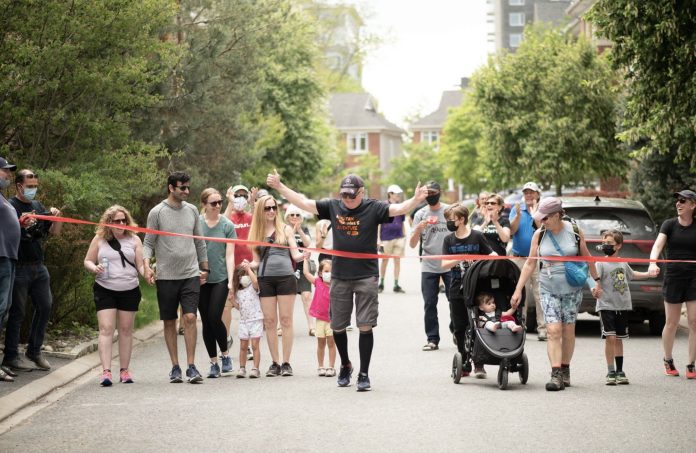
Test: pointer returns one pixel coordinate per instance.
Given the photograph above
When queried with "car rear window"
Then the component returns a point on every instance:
(631, 223)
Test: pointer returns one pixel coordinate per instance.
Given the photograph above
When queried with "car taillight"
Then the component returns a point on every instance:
(651, 289)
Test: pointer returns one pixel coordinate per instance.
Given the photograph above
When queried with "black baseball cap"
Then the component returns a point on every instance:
(686, 193)
(6, 165)
(432, 185)
(351, 184)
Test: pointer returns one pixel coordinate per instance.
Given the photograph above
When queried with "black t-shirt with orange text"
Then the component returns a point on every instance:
(354, 230)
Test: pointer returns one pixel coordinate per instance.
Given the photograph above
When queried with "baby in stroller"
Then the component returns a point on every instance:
(487, 317)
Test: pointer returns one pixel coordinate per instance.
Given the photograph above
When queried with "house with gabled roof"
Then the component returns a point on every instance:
(364, 130)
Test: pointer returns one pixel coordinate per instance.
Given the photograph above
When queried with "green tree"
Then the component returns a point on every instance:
(655, 47)
(549, 112)
(419, 163)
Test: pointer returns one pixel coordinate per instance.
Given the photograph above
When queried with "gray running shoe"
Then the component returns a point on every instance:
(254, 373)
(193, 375)
(621, 378)
(611, 378)
(285, 369)
(363, 384)
(273, 370)
(213, 373)
(17, 364)
(175, 375)
(39, 360)
(226, 365)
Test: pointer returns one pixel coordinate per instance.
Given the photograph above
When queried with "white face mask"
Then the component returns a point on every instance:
(245, 281)
(240, 203)
(326, 276)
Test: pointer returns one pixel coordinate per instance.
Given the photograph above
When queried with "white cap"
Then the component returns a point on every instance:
(394, 189)
(531, 186)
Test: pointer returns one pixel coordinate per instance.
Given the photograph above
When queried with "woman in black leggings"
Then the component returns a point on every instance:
(215, 292)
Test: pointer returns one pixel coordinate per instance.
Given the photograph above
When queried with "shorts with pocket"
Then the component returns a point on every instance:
(104, 299)
(678, 290)
(561, 308)
(283, 285)
(250, 329)
(344, 292)
(172, 293)
(323, 329)
(614, 323)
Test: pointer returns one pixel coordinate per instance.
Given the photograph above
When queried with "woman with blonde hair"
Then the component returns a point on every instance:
(276, 276)
(115, 257)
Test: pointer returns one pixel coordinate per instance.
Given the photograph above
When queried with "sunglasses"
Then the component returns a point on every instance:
(349, 196)
(216, 203)
(183, 188)
(681, 200)
(241, 195)
(30, 175)
(270, 208)
(120, 221)
(294, 215)
(491, 203)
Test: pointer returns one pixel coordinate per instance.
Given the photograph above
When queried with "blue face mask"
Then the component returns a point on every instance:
(30, 193)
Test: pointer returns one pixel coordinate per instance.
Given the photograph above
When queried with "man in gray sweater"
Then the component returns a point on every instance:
(182, 267)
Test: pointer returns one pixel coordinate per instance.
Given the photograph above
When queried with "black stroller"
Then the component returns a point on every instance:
(478, 345)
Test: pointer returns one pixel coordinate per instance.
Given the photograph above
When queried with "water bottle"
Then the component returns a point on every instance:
(105, 266)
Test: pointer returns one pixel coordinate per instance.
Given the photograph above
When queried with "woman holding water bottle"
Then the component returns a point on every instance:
(115, 257)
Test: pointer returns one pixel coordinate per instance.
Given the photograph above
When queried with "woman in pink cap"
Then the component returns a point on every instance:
(559, 299)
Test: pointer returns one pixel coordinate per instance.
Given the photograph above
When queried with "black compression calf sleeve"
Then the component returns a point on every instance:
(341, 340)
(367, 341)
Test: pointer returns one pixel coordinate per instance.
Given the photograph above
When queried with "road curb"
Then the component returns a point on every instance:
(88, 359)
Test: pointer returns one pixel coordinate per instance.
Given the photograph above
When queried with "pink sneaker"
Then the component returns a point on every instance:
(105, 380)
(125, 376)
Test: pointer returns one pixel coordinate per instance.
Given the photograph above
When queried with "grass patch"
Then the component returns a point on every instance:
(148, 311)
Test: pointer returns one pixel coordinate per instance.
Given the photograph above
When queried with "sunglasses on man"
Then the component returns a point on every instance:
(350, 196)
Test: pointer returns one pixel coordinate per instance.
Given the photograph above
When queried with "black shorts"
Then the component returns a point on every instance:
(614, 323)
(283, 285)
(303, 285)
(171, 293)
(678, 290)
(104, 299)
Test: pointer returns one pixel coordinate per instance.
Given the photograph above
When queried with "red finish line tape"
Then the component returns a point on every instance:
(356, 255)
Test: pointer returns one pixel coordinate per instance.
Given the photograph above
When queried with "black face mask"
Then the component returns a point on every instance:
(607, 249)
(451, 226)
(433, 199)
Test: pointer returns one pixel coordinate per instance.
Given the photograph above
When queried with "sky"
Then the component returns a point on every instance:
(428, 45)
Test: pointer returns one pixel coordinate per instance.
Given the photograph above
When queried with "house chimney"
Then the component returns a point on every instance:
(465, 82)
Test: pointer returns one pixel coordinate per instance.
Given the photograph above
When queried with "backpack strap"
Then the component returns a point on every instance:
(116, 245)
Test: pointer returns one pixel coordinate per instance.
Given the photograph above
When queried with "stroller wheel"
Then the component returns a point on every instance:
(524, 369)
(457, 367)
(502, 376)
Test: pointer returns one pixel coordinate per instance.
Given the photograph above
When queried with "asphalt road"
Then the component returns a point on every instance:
(414, 406)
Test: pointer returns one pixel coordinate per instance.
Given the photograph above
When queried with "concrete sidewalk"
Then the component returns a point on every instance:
(32, 391)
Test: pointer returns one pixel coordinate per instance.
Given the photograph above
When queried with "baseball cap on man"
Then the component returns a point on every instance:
(547, 206)
(351, 184)
(4, 164)
(531, 185)
(239, 187)
(394, 189)
(686, 193)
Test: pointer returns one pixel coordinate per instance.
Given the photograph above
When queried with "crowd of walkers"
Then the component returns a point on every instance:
(262, 278)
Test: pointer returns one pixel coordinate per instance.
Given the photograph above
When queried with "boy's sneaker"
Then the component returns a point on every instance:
(241, 373)
(344, 375)
(670, 369)
(254, 373)
(556, 382)
(565, 374)
(480, 372)
(213, 373)
(226, 365)
(285, 369)
(105, 380)
(398, 289)
(363, 384)
(175, 375)
(691, 371)
(621, 378)
(125, 377)
(611, 378)
(193, 376)
(273, 370)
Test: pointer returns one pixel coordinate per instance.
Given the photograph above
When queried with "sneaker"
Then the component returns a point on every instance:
(125, 377)
(175, 375)
(330, 372)
(254, 373)
(105, 380)
(321, 371)
(621, 378)
(250, 354)
(611, 378)
(466, 369)
(241, 373)
(193, 376)
(344, 375)
(691, 371)
(17, 364)
(363, 384)
(226, 365)
(556, 382)
(541, 335)
(380, 288)
(39, 360)
(670, 369)
(285, 369)
(273, 370)
(212, 374)
(8, 371)
(398, 289)
(565, 374)
(5, 376)
(480, 372)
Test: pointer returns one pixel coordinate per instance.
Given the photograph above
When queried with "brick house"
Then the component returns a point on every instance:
(363, 130)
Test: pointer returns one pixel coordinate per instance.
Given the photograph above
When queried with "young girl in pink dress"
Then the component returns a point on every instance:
(319, 309)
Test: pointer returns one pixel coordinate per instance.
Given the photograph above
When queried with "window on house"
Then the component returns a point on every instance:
(517, 19)
(516, 2)
(357, 143)
(431, 138)
(515, 40)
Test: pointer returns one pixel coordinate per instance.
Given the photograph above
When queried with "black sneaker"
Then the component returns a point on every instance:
(344, 375)
(556, 382)
(273, 370)
(175, 375)
(363, 384)
(285, 369)
(398, 289)
(193, 376)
